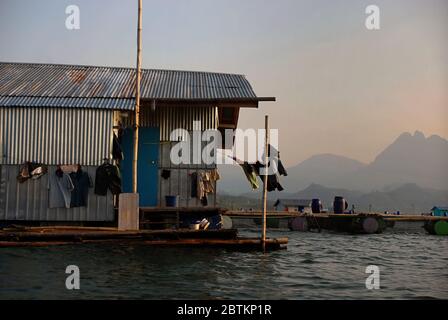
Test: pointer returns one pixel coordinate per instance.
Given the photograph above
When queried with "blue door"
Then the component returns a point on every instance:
(147, 167)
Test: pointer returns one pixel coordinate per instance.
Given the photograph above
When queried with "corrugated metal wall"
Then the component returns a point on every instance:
(29, 200)
(180, 179)
(171, 118)
(55, 136)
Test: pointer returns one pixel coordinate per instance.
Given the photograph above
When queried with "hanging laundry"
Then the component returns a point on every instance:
(281, 168)
(31, 170)
(252, 171)
(107, 177)
(117, 152)
(60, 187)
(274, 159)
(251, 175)
(166, 174)
(194, 185)
(273, 183)
(38, 172)
(204, 200)
(81, 182)
(206, 184)
(69, 168)
(214, 175)
(207, 181)
(272, 179)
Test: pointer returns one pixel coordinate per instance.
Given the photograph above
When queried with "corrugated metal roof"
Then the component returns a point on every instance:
(60, 102)
(111, 87)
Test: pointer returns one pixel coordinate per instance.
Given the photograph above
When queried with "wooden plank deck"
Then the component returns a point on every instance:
(47, 236)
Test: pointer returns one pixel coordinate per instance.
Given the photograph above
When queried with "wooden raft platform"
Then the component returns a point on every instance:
(46, 236)
(358, 223)
(168, 217)
(285, 214)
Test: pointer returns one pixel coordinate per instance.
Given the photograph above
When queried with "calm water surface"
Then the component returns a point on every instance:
(325, 266)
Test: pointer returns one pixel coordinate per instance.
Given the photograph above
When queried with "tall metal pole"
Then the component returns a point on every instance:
(137, 96)
(265, 177)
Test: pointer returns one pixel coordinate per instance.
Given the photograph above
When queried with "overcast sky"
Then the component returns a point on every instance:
(340, 88)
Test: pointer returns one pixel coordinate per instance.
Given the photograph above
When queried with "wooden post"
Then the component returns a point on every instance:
(128, 212)
(137, 96)
(265, 180)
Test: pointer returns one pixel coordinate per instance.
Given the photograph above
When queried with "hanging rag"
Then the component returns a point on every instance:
(194, 185)
(166, 174)
(251, 175)
(206, 184)
(107, 177)
(117, 152)
(81, 182)
(60, 187)
(39, 172)
(69, 168)
(273, 181)
(31, 170)
(281, 168)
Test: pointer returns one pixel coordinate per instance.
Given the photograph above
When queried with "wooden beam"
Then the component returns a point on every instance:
(265, 178)
(137, 96)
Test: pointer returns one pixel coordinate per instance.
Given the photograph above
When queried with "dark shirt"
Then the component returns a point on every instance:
(81, 182)
(107, 177)
(117, 152)
(194, 185)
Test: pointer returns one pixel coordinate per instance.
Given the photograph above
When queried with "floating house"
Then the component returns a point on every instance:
(71, 115)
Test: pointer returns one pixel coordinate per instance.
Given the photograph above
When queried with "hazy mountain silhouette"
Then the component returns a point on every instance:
(324, 169)
(410, 159)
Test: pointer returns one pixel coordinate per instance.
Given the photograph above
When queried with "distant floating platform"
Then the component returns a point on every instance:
(359, 223)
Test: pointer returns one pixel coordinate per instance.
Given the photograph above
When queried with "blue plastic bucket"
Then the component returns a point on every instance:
(171, 201)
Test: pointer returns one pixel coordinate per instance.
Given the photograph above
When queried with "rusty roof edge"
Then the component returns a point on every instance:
(62, 97)
(119, 67)
(242, 99)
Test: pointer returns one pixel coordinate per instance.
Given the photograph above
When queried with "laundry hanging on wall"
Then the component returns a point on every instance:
(203, 183)
(194, 185)
(166, 174)
(31, 170)
(117, 152)
(81, 182)
(60, 187)
(69, 168)
(107, 177)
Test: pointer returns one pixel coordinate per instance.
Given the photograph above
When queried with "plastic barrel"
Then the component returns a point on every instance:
(299, 224)
(441, 228)
(370, 225)
(171, 201)
(316, 205)
(339, 205)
